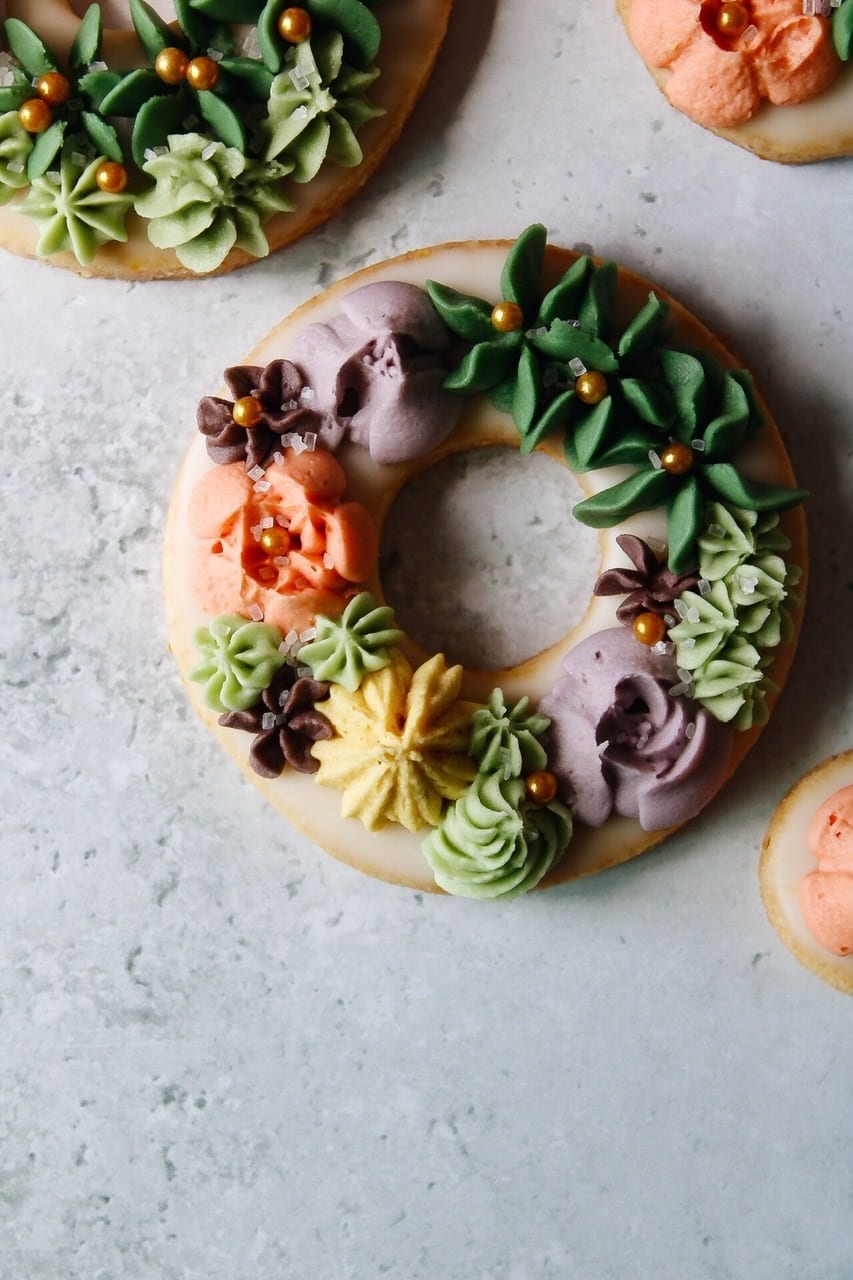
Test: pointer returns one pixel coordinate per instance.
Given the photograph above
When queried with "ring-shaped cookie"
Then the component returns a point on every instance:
(393, 853)
(802, 818)
(411, 35)
(797, 132)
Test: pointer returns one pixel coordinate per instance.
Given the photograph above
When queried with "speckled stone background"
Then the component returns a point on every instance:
(226, 1057)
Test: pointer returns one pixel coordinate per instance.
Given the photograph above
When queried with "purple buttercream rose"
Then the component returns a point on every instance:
(619, 742)
(377, 371)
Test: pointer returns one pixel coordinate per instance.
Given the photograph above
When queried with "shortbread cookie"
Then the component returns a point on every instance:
(806, 870)
(771, 75)
(486, 783)
(145, 150)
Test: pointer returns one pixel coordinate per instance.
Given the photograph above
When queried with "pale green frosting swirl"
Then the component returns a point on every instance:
(506, 739)
(316, 107)
(348, 648)
(706, 622)
(732, 686)
(15, 147)
(238, 661)
(209, 198)
(71, 210)
(494, 843)
(732, 535)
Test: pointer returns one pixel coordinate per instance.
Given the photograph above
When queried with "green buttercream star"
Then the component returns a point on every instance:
(15, 147)
(72, 211)
(237, 661)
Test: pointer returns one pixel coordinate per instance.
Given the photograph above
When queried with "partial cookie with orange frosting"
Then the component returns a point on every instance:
(188, 139)
(486, 783)
(770, 75)
(806, 870)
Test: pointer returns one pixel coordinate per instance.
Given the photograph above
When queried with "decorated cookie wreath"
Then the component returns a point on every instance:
(157, 149)
(770, 75)
(486, 783)
(806, 870)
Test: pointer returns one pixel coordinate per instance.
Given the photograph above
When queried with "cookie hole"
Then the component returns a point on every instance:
(482, 560)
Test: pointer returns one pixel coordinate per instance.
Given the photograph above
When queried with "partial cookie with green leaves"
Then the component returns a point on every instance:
(176, 138)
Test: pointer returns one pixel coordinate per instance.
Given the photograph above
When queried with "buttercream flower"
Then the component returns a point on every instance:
(401, 744)
(348, 648)
(719, 80)
(71, 211)
(15, 147)
(237, 660)
(621, 742)
(277, 389)
(650, 587)
(284, 547)
(377, 369)
(286, 724)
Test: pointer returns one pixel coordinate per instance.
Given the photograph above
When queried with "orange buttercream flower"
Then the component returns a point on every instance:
(719, 79)
(283, 543)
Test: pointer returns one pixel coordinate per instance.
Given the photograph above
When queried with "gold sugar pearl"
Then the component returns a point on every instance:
(35, 115)
(591, 387)
(274, 540)
(506, 317)
(202, 73)
(294, 25)
(649, 628)
(171, 65)
(677, 459)
(53, 88)
(111, 177)
(732, 19)
(247, 411)
(541, 786)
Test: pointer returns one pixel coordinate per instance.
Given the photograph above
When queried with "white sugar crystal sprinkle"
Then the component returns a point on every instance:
(306, 394)
(698, 446)
(262, 486)
(298, 78)
(301, 112)
(283, 522)
(689, 643)
(298, 445)
(251, 46)
(278, 458)
(693, 615)
(257, 473)
(577, 366)
(310, 633)
(283, 696)
(660, 647)
(642, 740)
(54, 175)
(677, 690)
(97, 66)
(267, 522)
(654, 459)
(209, 151)
(15, 166)
(281, 561)
(690, 731)
(305, 672)
(149, 153)
(680, 608)
(716, 531)
(669, 619)
(329, 561)
(310, 440)
(255, 612)
(704, 587)
(215, 55)
(750, 35)
(291, 637)
(748, 585)
(268, 721)
(79, 159)
(6, 78)
(684, 675)
(288, 405)
(283, 647)
(256, 532)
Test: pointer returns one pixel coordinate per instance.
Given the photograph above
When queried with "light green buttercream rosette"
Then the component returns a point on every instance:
(506, 739)
(348, 648)
(15, 147)
(209, 198)
(71, 210)
(316, 107)
(723, 637)
(494, 843)
(238, 661)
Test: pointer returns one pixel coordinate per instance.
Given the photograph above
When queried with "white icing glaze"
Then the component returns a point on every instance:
(393, 853)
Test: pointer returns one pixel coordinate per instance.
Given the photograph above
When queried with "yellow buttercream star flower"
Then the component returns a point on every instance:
(401, 744)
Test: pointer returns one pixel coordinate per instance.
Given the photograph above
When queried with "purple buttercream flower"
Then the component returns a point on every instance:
(620, 742)
(279, 390)
(377, 370)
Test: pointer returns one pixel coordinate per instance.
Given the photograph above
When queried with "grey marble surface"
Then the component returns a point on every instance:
(225, 1056)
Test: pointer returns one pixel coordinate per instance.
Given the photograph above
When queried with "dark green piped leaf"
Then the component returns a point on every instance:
(728, 430)
(589, 435)
(154, 35)
(13, 98)
(597, 304)
(132, 92)
(557, 415)
(200, 31)
(528, 389)
(467, 316)
(842, 30)
(522, 269)
(684, 520)
(646, 329)
(357, 25)
(87, 42)
(47, 147)
(485, 366)
(95, 86)
(102, 136)
(564, 342)
(33, 55)
(632, 447)
(223, 119)
(640, 492)
(650, 402)
(501, 395)
(563, 302)
(685, 375)
(250, 73)
(156, 120)
(751, 495)
(269, 40)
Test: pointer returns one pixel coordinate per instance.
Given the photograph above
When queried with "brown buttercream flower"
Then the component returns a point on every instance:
(285, 722)
(278, 390)
(650, 587)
